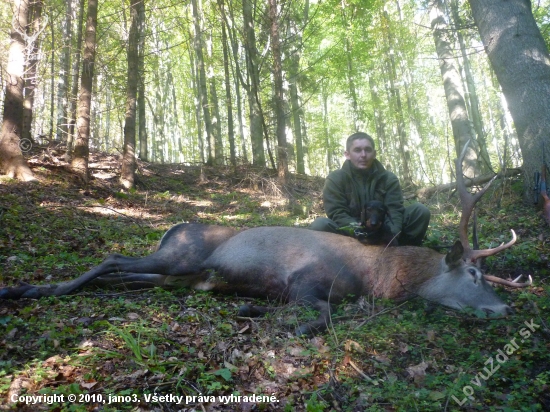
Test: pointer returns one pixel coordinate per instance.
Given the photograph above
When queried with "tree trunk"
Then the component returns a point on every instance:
(326, 133)
(282, 161)
(203, 87)
(63, 75)
(453, 89)
(195, 82)
(31, 73)
(396, 100)
(296, 108)
(238, 79)
(74, 88)
(143, 149)
(216, 123)
(79, 162)
(256, 118)
(11, 158)
(127, 175)
(228, 98)
(475, 112)
(520, 59)
(378, 114)
(357, 124)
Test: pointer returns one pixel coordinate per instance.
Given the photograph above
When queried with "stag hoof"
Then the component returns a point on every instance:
(304, 331)
(245, 311)
(250, 311)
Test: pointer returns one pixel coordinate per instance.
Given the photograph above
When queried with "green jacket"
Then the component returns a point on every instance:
(348, 189)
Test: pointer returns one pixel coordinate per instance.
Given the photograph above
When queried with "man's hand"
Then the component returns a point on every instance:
(354, 229)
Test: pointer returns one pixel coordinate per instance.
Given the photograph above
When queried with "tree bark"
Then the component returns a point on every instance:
(74, 89)
(256, 117)
(520, 59)
(456, 104)
(11, 158)
(31, 73)
(228, 97)
(294, 68)
(396, 99)
(79, 163)
(203, 87)
(238, 78)
(64, 75)
(127, 175)
(282, 161)
(471, 96)
(143, 148)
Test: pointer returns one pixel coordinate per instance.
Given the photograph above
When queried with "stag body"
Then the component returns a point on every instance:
(290, 265)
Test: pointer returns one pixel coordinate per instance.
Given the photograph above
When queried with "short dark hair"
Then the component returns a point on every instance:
(357, 136)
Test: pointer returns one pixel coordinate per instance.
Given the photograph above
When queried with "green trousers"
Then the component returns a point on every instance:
(415, 225)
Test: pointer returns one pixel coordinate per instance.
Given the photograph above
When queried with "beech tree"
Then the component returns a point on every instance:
(520, 59)
(81, 152)
(11, 158)
(127, 174)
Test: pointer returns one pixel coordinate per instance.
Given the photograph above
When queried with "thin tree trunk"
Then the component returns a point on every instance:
(378, 114)
(33, 31)
(216, 123)
(74, 82)
(63, 75)
(11, 158)
(127, 175)
(357, 124)
(297, 111)
(203, 90)
(228, 98)
(238, 80)
(195, 81)
(282, 161)
(256, 117)
(396, 98)
(326, 133)
(142, 123)
(79, 162)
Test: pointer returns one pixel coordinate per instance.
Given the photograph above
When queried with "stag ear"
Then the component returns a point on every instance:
(454, 256)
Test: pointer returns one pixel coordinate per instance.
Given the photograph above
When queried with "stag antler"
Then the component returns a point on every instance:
(513, 283)
(468, 202)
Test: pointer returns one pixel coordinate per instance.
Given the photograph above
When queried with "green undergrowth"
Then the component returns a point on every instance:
(126, 346)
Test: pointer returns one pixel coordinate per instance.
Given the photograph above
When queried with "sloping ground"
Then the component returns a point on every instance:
(185, 350)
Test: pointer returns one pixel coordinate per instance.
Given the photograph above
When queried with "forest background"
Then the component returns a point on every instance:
(278, 84)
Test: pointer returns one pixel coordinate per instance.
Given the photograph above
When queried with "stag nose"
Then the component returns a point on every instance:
(504, 310)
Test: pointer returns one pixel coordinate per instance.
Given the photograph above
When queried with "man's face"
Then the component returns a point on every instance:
(361, 154)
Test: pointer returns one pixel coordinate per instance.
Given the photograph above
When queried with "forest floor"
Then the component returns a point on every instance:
(116, 350)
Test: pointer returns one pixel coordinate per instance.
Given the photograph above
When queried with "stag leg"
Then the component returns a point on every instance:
(308, 329)
(251, 311)
(112, 264)
(321, 323)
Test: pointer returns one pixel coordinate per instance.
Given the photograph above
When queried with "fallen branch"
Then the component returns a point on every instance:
(428, 192)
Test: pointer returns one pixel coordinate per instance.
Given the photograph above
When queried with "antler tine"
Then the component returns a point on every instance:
(468, 202)
(513, 284)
